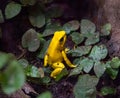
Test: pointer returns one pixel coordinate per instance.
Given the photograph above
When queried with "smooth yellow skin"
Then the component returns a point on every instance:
(56, 54)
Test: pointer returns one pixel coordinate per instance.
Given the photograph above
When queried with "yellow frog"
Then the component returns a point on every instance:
(56, 54)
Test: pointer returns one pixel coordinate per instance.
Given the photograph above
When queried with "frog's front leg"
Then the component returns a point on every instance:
(45, 60)
(67, 60)
(58, 67)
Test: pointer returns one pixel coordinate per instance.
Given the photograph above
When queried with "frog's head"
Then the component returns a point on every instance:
(60, 36)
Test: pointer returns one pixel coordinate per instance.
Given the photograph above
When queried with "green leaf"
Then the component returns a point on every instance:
(80, 51)
(12, 9)
(46, 94)
(3, 59)
(14, 77)
(99, 69)
(46, 80)
(105, 30)
(39, 80)
(108, 90)
(115, 62)
(112, 72)
(47, 70)
(87, 64)
(98, 52)
(87, 27)
(72, 25)
(37, 17)
(30, 40)
(23, 62)
(28, 2)
(48, 32)
(62, 74)
(32, 71)
(54, 11)
(43, 50)
(1, 17)
(85, 86)
(77, 38)
(82, 63)
(51, 29)
(77, 70)
(92, 39)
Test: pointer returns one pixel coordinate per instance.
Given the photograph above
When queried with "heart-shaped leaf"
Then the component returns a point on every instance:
(87, 27)
(30, 40)
(77, 70)
(105, 30)
(87, 64)
(77, 38)
(54, 11)
(99, 69)
(12, 9)
(37, 17)
(80, 51)
(14, 77)
(98, 52)
(112, 72)
(72, 25)
(51, 29)
(92, 39)
(86, 86)
(115, 62)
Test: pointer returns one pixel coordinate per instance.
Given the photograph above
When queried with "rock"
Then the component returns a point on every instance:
(109, 11)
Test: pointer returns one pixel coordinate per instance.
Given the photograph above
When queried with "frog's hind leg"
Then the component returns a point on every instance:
(56, 72)
(58, 67)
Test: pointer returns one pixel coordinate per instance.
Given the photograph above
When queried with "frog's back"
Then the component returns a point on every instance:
(54, 53)
(55, 48)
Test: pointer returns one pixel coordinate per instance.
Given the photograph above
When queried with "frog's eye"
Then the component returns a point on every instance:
(62, 39)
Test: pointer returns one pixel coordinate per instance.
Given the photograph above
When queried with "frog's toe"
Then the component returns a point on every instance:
(66, 50)
(52, 76)
(72, 66)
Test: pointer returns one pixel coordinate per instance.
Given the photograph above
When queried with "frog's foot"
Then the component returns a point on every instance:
(72, 65)
(56, 72)
(58, 67)
(66, 50)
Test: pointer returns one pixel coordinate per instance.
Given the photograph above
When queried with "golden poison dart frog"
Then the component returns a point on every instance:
(55, 54)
